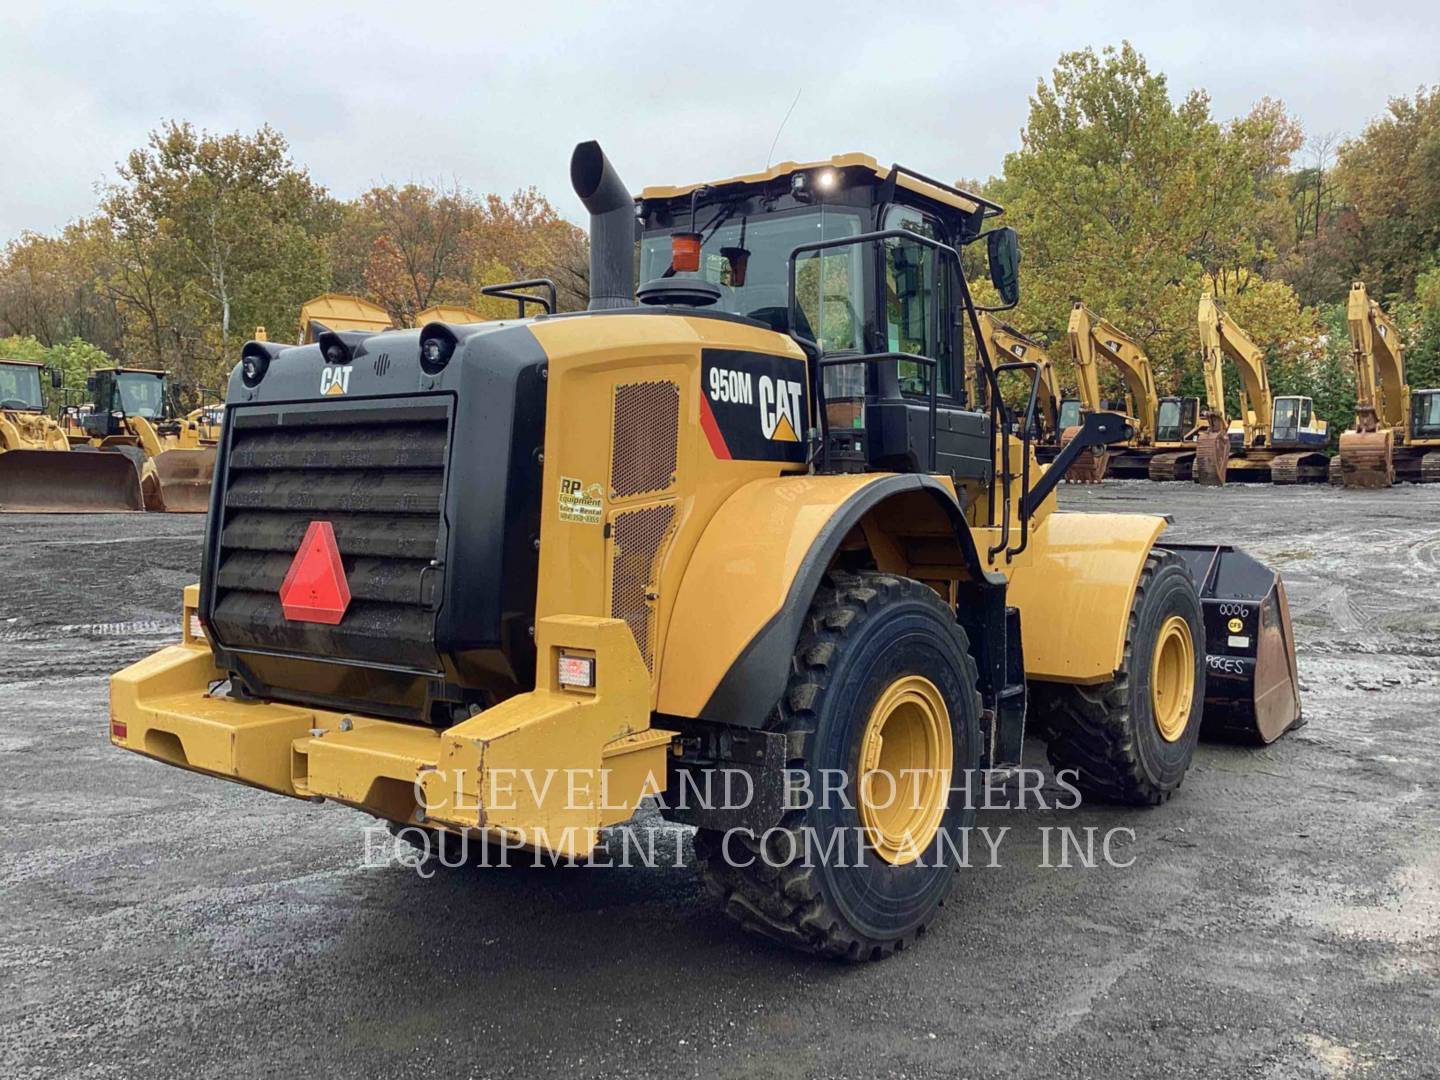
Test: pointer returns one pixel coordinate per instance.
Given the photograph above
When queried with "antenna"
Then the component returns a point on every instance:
(782, 127)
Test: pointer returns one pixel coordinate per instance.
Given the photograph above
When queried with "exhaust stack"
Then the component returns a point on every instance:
(612, 227)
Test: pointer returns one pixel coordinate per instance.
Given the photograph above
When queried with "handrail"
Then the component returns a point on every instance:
(1025, 438)
(506, 291)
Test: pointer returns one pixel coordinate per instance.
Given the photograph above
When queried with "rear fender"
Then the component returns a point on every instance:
(746, 590)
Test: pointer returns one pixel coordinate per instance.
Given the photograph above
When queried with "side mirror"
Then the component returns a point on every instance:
(57, 377)
(90, 384)
(1003, 252)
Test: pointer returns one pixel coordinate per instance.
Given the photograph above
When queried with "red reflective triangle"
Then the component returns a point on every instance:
(315, 589)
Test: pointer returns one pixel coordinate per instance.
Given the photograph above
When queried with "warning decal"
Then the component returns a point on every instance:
(753, 406)
(580, 502)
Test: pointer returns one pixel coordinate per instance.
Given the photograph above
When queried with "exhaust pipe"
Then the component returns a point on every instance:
(612, 227)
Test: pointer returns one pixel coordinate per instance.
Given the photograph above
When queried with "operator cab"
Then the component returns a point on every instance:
(1069, 413)
(1294, 423)
(860, 265)
(1177, 420)
(20, 385)
(1425, 414)
(120, 393)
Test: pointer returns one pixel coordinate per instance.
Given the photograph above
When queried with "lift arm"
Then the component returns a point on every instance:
(1382, 396)
(1222, 337)
(1005, 341)
(1092, 336)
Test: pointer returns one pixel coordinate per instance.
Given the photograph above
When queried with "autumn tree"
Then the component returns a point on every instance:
(1127, 199)
(213, 234)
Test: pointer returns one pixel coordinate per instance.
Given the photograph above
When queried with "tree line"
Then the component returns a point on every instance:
(1136, 201)
(1125, 196)
(201, 238)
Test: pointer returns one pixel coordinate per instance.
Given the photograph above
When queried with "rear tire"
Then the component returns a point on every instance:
(1131, 740)
(869, 637)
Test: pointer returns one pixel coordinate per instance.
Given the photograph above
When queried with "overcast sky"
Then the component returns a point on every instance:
(495, 95)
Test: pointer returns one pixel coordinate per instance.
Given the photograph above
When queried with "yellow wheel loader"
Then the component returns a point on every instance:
(1397, 429)
(132, 415)
(39, 471)
(740, 520)
(1279, 439)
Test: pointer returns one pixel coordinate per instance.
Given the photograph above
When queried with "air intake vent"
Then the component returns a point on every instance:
(643, 442)
(377, 474)
(639, 538)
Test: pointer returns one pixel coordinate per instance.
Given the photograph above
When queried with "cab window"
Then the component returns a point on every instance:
(911, 304)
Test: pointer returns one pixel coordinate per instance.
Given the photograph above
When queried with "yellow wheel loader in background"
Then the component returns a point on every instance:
(1163, 444)
(743, 518)
(1279, 439)
(1397, 429)
(39, 472)
(132, 415)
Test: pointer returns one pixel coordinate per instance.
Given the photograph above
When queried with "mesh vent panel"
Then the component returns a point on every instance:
(639, 536)
(643, 441)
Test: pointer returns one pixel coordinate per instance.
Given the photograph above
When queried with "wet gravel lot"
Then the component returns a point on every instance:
(1280, 917)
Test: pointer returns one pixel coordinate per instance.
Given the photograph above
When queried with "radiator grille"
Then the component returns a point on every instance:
(378, 476)
(643, 440)
(639, 538)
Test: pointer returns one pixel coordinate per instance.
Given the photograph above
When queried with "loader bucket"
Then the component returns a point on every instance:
(1252, 690)
(67, 482)
(183, 480)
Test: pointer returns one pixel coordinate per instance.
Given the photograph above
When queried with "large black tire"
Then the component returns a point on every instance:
(1107, 734)
(865, 633)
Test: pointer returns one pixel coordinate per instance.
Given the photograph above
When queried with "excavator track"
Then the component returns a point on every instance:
(1337, 474)
(1367, 459)
(1177, 466)
(1306, 467)
(1212, 458)
(1090, 466)
(1430, 468)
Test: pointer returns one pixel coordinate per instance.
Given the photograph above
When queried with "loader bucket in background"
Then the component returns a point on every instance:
(1252, 689)
(67, 482)
(182, 481)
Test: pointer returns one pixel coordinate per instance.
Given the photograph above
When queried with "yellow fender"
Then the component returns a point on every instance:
(1074, 589)
(751, 578)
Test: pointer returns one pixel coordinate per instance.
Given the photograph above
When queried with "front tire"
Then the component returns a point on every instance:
(1131, 740)
(883, 685)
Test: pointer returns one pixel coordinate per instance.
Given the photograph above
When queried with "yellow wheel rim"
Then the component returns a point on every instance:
(904, 777)
(1172, 678)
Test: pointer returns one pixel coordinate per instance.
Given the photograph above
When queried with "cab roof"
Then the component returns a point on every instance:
(909, 179)
(17, 360)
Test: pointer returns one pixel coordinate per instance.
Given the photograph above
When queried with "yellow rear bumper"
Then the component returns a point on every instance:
(549, 768)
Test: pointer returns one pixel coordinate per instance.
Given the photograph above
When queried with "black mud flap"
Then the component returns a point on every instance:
(1252, 690)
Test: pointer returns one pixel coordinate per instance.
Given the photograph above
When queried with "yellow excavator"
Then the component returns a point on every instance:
(1279, 439)
(39, 471)
(132, 414)
(1005, 343)
(1397, 429)
(1163, 445)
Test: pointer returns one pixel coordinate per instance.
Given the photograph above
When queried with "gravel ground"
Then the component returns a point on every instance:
(1280, 918)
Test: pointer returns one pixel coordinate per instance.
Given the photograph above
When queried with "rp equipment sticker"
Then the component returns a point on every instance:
(580, 503)
(752, 406)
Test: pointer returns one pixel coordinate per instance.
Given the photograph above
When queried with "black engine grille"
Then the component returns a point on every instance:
(376, 471)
